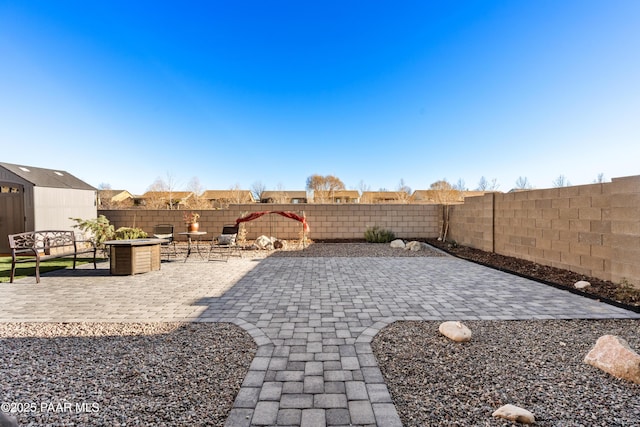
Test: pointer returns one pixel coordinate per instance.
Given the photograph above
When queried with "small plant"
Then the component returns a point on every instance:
(376, 234)
(99, 228)
(126, 233)
(303, 239)
(191, 217)
(627, 292)
(242, 234)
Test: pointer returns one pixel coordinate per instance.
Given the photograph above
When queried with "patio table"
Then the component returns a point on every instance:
(133, 256)
(190, 235)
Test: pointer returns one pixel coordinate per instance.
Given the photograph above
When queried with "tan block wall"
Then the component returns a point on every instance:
(561, 227)
(625, 229)
(471, 224)
(326, 222)
(590, 229)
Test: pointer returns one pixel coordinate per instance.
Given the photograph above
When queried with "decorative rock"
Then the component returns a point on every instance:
(414, 246)
(264, 242)
(514, 413)
(455, 331)
(613, 355)
(398, 243)
(581, 284)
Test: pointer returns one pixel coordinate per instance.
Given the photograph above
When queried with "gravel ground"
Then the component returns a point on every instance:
(117, 374)
(537, 365)
(353, 250)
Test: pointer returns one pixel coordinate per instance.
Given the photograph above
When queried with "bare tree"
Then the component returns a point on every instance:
(158, 185)
(196, 201)
(484, 185)
(600, 179)
(155, 200)
(402, 186)
(445, 194)
(280, 196)
(561, 181)
(237, 195)
(195, 186)
(522, 183)
(104, 186)
(257, 188)
(403, 192)
(323, 187)
(362, 187)
(162, 186)
(460, 185)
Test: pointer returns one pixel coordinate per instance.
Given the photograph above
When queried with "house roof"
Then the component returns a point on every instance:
(354, 194)
(433, 196)
(288, 194)
(114, 195)
(41, 177)
(424, 195)
(381, 195)
(176, 195)
(227, 195)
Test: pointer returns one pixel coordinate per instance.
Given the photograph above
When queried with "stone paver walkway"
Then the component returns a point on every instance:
(312, 318)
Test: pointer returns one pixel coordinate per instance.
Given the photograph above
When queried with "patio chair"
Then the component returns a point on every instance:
(165, 231)
(225, 244)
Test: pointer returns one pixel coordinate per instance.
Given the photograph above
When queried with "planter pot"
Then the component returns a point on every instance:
(194, 226)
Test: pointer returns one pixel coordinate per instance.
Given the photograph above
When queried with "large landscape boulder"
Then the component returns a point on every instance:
(613, 355)
(455, 331)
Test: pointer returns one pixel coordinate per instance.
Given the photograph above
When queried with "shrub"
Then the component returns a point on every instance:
(378, 235)
(125, 233)
(99, 228)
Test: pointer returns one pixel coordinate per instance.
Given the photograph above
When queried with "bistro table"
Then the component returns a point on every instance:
(133, 256)
(190, 235)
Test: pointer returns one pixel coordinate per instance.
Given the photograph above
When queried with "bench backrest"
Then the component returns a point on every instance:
(41, 239)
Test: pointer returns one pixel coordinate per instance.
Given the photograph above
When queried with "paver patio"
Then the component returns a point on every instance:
(312, 318)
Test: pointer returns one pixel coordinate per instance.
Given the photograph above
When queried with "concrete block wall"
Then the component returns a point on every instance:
(562, 227)
(590, 229)
(471, 223)
(330, 221)
(625, 230)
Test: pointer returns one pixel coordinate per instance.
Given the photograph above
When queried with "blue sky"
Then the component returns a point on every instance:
(374, 92)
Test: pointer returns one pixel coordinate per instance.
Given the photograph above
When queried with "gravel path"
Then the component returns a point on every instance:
(537, 365)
